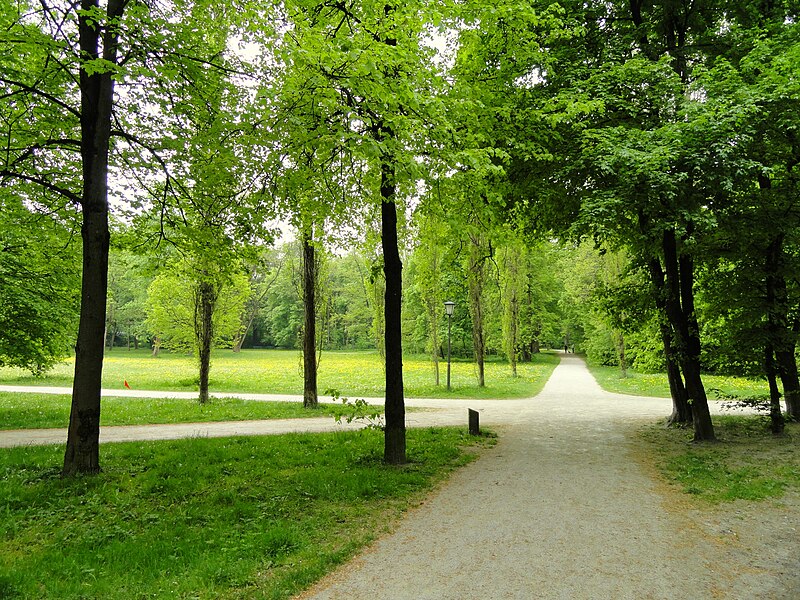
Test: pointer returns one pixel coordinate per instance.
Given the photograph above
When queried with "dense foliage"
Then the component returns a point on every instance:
(620, 178)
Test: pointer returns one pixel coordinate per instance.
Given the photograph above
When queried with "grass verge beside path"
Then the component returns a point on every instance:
(748, 463)
(352, 374)
(208, 518)
(656, 384)
(38, 411)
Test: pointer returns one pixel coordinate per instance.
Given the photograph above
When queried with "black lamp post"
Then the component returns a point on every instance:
(448, 307)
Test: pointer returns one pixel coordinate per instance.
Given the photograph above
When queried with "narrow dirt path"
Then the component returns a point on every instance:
(559, 509)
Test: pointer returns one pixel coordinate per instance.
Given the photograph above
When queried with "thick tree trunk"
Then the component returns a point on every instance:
(82, 453)
(781, 331)
(204, 332)
(310, 399)
(681, 412)
(395, 433)
(680, 310)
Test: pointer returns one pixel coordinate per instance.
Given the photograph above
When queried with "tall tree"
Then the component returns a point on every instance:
(367, 59)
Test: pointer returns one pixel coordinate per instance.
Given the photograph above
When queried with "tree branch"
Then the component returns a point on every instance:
(66, 193)
(32, 90)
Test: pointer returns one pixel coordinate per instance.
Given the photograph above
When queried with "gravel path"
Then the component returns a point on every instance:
(562, 509)
(437, 412)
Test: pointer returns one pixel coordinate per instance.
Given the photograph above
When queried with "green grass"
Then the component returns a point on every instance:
(32, 411)
(352, 374)
(260, 517)
(748, 463)
(656, 384)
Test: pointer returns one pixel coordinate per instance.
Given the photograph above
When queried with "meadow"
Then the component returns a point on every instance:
(32, 411)
(656, 384)
(351, 374)
(255, 517)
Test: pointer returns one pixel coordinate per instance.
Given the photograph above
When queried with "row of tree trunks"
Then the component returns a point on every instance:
(82, 454)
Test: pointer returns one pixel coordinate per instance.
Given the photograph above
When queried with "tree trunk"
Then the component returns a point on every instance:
(513, 335)
(310, 399)
(475, 284)
(680, 310)
(681, 412)
(395, 433)
(82, 454)
(433, 308)
(777, 423)
(619, 338)
(781, 331)
(204, 332)
(787, 369)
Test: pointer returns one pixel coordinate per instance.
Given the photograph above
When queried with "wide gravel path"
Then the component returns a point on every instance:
(561, 508)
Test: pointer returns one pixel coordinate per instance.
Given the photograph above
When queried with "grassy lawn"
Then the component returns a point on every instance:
(352, 374)
(749, 463)
(259, 517)
(32, 411)
(656, 384)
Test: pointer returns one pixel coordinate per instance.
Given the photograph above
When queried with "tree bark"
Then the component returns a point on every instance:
(776, 420)
(787, 369)
(310, 399)
(681, 412)
(781, 332)
(82, 454)
(680, 310)
(395, 432)
(204, 332)
(619, 338)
